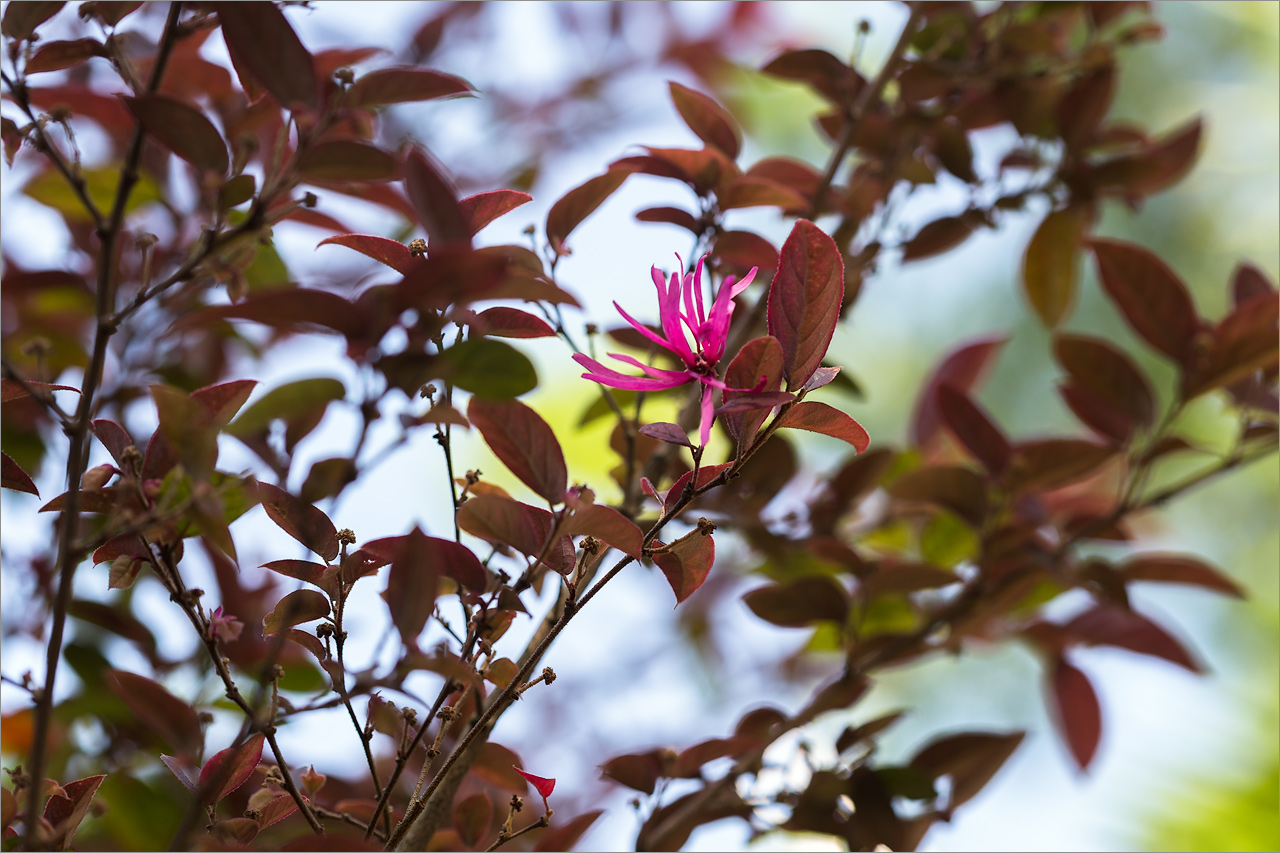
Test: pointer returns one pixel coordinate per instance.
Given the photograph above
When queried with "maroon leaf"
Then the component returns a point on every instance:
(687, 562)
(451, 559)
(1150, 295)
(804, 300)
(821, 378)
(800, 603)
(1051, 266)
(688, 764)
(262, 42)
(958, 489)
(504, 322)
(1054, 462)
(1108, 374)
(223, 400)
(524, 442)
(65, 810)
(891, 576)
(673, 215)
(56, 55)
(974, 429)
(302, 521)
(579, 203)
(763, 400)
(742, 250)
(608, 525)
(402, 85)
(13, 477)
(563, 835)
(129, 544)
(670, 433)
(276, 810)
(114, 438)
(760, 359)
(1112, 625)
(819, 417)
(471, 817)
(347, 160)
(639, 771)
(747, 191)
(935, 238)
(303, 605)
(182, 129)
(293, 308)
(710, 121)
(1098, 415)
(1242, 344)
(523, 527)
(169, 717)
(1156, 167)
(481, 209)
(970, 759)
(229, 769)
(435, 201)
(21, 19)
(961, 369)
(10, 390)
(1247, 282)
(411, 586)
(830, 77)
(1171, 568)
(1076, 711)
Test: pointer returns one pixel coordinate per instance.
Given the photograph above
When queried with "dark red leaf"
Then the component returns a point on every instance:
(639, 771)
(819, 417)
(1051, 265)
(687, 562)
(229, 769)
(302, 521)
(129, 544)
(262, 42)
(276, 810)
(544, 787)
(411, 587)
(523, 527)
(56, 55)
(748, 191)
(1157, 167)
(563, 835)
(579, 203)
(1172, 568)
(800, 603)
(935, 238)
(402, 85)
(506, 322)
(10, 390)
(689, 762)
(962, 369)
(670, 433)
(67, 809)
(830, 77)
(347, 160)
(761, 401)
(182, 129)
(393, 253)
(481, 209)
(21, 19)
(891, 576)
(303, 605)
(13, 477)
(710, 121)
(1112, 625)
(1054, 462)
(974, 429)
(970, 760)
(1242, 344)
(1150, 295)
(436, 201)
(1098, 415)
(1108, 374)
(303, 570)
(173, 720)
(804, 300)
(113, 437)
(524, 442)
(1076, 711)
(960, 490)
(291, 309)
(674, 215)
(1085, 104)
(471, 817)
(223, 400)
(742, 250)
(706, 169)
(1248, 282)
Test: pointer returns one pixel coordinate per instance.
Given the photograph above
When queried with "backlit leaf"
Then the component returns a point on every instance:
(393, 253)
(436, 201)
(608, 525)
(1051, 265)
(804, 300)
(51, 189)
(411, 587)
(760, 359)
(819, 417)
(481, 209)
(579, 203)
(262, 42)
(524, 442)
(1075, 711)
(1108, 374)
(799, 603)
(1150, 295)
(543, 786)
(302, 521)
(710, 121)
(229, 769)
(303, 605)
(169, 717)
(402, 85)
(182, 129)
(686, 563)
(347, 160)
(962, 369)
(974, 429)
(13, 477)
(65, 810)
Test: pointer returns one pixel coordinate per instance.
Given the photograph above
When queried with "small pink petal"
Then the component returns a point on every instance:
(708, 413)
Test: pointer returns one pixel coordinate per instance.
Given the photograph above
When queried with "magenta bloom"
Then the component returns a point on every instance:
(680, 308)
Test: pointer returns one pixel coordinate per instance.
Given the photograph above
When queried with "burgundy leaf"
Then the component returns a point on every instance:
(687, 562)
(1108, 374)
(182, 129)
(21, 19)
(290, 309)
(10, 390)
(524, 442)
(471, 817)
(276, 810)
(819, 417)
(804, 300)
(935, 238)
(764, 400)
(65, 810)
(302, 521)
(1150, 295)
(1054, 462)
(303, 570)
(1076, 711)
(113, 437)
(970, 759)
(303, 605)
(262, 42)
(800, 603)
(960, 490)
(974, 429)
(223, 400)
(1242, 344)
(579, 203)
(1098, 415)
(608, 525)
(829, 76)
(411, 587)
(504, 322)
(710, 121)
(742, 250)
(747, 191)
(402, 85)
(56, 55)
(961, 369)
(670, 433)
(435, 201)
(1172, 568)
(1156, 167)
(13, 477)
(1247, 282)
(673, 215)
(760, 359)
(1051, 266)
(346, 160)
(523, 527)
(173, 720)
(1112, 625)
(229, 769)
(564, 834)
(638, 771)
(481, 209)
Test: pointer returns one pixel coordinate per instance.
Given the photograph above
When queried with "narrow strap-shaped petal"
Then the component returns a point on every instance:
(647, 332)
(679, 377)
(669, 311)
(708, 414)
(697, 286)
(614, 379)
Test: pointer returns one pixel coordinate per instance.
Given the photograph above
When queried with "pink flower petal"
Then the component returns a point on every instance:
(708, 413)
(544, 787)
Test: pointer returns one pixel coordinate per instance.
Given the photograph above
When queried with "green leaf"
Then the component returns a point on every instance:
(489, 368)
(947, 541)
(51, 189)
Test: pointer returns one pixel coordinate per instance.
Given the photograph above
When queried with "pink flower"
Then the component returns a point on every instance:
(680, 308)
(223, 627)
